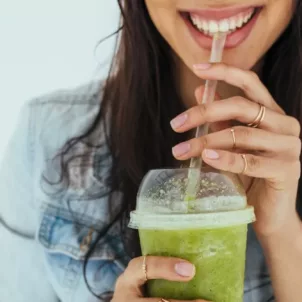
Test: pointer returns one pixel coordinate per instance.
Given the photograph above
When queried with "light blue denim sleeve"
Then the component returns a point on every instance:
(23, 277)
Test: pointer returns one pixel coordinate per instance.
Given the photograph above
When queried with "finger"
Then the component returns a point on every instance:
(257, 166)
(241, 138)
(214, 126)
(172, 269)
(246, 80)
(122, 297)
(160, 300)
(236, 108)
(199, 92)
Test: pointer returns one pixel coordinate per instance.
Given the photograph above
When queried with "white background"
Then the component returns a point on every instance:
(50, 44)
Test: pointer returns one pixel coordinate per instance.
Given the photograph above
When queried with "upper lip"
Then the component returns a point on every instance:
(219, 13)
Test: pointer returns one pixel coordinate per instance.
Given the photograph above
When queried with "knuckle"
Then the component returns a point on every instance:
(239, 103)
(120, 282)
(204, 142)
(131, 268)
(132, 264)
(231, 160)
(296, 126)
(253, 163)
(246, 80)
(299, 146)
(295, 169)
(296, 147)
(239, 100)
(202, 109)
(245, 85)
(244, 134)
(298, 169)
(253, 75)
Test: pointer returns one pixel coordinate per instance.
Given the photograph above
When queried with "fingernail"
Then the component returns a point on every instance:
(181, 149)
(179, 121)
(185, 269)
(211, 154)
(203, 66)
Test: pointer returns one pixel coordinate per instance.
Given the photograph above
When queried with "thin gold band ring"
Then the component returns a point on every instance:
(234, 137)
(144, 267)
(245, 164)
(259, 119)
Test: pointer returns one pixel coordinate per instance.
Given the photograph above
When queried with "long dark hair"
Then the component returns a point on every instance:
(141, 95)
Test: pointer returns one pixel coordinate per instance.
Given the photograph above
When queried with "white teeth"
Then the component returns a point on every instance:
(239, 21)
(205, 25)
(232, 24)
(194, 20)
(225, 25)
(213, 27)
(198, 24)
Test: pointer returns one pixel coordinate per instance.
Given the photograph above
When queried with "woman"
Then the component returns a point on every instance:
(107, 136)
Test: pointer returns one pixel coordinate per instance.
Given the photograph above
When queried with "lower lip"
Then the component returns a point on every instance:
(233, 40)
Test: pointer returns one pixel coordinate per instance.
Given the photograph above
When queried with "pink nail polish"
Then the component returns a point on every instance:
(185, 269)
(179, 121)
(211, 154)
(181, 149)
(203, 66)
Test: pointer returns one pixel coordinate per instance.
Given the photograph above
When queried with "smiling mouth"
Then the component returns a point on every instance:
(210, 26)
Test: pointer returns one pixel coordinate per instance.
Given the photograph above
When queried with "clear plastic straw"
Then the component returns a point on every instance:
(208, 97)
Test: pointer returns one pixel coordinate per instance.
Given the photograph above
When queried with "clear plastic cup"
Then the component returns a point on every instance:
(209, 231)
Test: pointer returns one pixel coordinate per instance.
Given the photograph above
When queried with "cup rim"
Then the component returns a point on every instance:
(175, 221)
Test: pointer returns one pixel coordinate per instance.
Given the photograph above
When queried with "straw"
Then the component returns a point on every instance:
(208, 97)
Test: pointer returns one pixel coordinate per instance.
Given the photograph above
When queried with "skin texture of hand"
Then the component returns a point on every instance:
(272, 150)
(130, 285)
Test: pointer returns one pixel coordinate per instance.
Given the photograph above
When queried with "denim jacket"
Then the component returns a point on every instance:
(44, 237)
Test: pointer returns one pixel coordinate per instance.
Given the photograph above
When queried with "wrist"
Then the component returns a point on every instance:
(287, 236)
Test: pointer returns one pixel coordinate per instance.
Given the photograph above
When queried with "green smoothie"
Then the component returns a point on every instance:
(208, 228)
(219, 257)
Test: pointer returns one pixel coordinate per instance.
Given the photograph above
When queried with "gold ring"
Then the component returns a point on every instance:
(245, 163)
(234, 137)
(260, 117)
(163, 300)
(144, 267)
